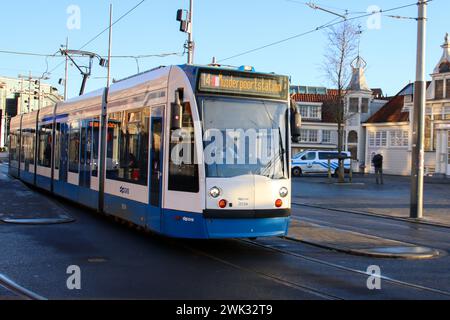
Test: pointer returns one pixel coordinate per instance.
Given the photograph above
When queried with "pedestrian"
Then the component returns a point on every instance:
(377, 162)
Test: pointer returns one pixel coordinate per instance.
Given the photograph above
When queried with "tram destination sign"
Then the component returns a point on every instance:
(257, 85)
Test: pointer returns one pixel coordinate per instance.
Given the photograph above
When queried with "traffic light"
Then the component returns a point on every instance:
(183, 19)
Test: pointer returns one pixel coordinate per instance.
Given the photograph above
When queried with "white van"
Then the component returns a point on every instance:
(316, 161)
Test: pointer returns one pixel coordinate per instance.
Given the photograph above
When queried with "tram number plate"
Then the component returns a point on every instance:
(243, 202)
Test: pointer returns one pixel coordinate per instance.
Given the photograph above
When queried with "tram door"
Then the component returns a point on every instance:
(85, 154)
(63, 160)
(156, 156)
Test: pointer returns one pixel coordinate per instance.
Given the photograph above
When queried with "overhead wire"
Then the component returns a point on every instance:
(328, 25)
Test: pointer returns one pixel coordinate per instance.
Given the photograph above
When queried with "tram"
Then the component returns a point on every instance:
(185, 151)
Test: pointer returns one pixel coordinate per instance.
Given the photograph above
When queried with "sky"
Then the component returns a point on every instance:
(221, 29)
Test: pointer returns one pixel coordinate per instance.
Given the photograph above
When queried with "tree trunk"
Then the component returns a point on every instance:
(341, 172)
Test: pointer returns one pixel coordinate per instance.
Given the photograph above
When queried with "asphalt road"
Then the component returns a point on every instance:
(118, 262)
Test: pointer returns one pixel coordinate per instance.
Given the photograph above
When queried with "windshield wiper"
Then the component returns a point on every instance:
(279, 156)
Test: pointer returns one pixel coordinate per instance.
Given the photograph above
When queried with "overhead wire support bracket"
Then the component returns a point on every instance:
(316, 7)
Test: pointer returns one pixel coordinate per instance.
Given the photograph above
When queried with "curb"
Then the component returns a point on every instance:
(37, 221)
(378, 215)
(392, 249)
(366, 253)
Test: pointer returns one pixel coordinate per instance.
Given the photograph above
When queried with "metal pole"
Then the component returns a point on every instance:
(190, 33)
(39, 95)
(29, 92)
(417, 163)
(66, 76)
(109, 45)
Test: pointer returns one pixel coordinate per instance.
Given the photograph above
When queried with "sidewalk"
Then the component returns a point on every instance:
(391, 199)
(19, 204)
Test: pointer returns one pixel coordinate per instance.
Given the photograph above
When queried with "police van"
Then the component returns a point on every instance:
(316, 161)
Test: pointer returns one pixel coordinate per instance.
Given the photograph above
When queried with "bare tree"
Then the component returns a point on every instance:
(340, 50)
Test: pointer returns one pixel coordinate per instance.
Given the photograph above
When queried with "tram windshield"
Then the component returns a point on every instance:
(244, 136)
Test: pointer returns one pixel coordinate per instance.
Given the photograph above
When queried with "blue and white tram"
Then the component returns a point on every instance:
(141, 150)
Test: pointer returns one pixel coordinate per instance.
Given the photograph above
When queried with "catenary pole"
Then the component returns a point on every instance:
(417, 163)
(191, 44)
(109, 45)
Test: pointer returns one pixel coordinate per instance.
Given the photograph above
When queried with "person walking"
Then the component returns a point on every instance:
(377, 162)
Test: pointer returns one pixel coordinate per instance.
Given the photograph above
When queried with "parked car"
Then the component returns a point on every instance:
(316, 161)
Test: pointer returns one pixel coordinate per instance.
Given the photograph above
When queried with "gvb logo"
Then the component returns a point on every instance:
(74, 18)
(374, 280)
(74, 280)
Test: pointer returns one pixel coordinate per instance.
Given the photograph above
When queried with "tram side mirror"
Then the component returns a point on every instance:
(296, 121)
(177, 112)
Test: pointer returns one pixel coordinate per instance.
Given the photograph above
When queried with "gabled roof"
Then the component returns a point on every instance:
(328, 103)
(392, 110)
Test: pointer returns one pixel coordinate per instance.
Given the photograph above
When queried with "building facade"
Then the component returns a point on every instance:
(390, 129)
(22, 95)
(318, 107)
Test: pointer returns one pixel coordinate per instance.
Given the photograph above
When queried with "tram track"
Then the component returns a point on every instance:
(321, 294)
(346, 269)
(375, 215)
(16, 291)
(266, 276)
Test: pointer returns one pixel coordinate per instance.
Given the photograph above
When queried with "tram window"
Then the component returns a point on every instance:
(57, 145)
(22, 147)
(45, 145)
(183, 175)
(95, 126)
(14, 150)
(127, 151)
(74, 147)
(31, 143)
(28, 147)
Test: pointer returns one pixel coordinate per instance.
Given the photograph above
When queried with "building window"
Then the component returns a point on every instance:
(353, 137)
(428, 145)
(313, 136)
(439, 93)
(353, 105)
(444, 67)
(309, 135)
(365, 105)
(304, 111)
(303, 135)
(310, 112)
(326, 136)
(378, 139)
(399, 138)
(447, 90)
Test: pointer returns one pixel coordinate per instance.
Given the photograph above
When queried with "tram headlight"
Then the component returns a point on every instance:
(214, 192)
(284, 192)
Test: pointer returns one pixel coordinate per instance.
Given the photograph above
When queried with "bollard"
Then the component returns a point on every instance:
(329, 170)
(351, 171)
